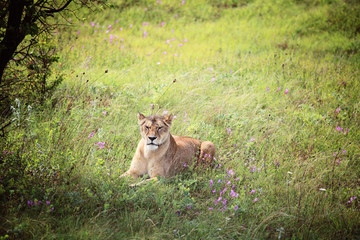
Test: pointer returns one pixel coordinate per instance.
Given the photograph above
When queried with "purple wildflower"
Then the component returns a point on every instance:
(351, 200)
(223, 191)
(233, 194)
(231, 172)
(277, 164)
(100, 144)
(236, 207)
(223, 209)
(228, 130)
(185, 116)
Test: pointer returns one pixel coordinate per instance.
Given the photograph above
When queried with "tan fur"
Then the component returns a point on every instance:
(166, 155)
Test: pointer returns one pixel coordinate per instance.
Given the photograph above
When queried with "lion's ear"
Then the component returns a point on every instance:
(140, 117)
(169, 119)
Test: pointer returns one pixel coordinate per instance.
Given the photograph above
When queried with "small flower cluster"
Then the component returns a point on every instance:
(340, 129)
(351, 200)
(253, 191)
(277, 90)
(100, 144)
(228, 192)
(8, 153)
(91, 134)
(339, 159)
(228, 131)
(39, 203)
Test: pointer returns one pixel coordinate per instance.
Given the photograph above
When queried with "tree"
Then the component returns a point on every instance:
(22, 24)
(21, 18)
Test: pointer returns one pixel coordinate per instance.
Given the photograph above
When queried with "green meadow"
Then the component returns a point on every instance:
(273, 84)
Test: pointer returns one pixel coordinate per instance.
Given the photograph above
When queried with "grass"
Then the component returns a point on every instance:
(270, 84)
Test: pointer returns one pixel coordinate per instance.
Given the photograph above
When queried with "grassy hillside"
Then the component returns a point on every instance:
(273, 84)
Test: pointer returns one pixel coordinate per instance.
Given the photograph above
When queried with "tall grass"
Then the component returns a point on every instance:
(274, 85)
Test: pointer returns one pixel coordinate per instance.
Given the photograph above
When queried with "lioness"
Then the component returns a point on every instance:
(161, 154)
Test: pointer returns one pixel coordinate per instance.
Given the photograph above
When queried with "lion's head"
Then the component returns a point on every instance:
(154, 129)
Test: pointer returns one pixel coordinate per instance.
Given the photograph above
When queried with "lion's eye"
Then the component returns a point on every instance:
(159, 128)
(146, 127)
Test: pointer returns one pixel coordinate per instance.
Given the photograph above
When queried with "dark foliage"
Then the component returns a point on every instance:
(25, 52)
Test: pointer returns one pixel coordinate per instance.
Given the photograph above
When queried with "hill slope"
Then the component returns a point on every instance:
(275, 85)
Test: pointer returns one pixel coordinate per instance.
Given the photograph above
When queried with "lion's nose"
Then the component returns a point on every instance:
(152, 138)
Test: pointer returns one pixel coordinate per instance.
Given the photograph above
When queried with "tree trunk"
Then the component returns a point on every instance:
(14, 34)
